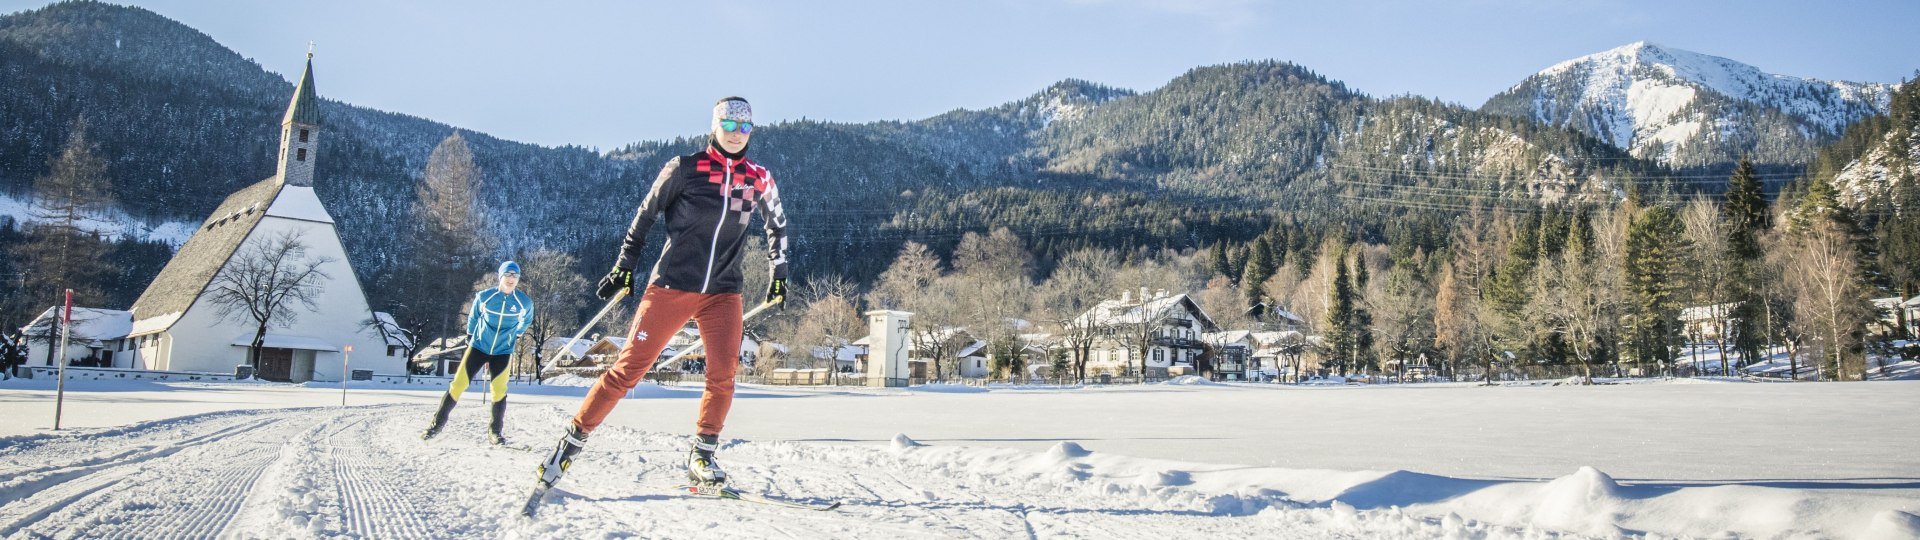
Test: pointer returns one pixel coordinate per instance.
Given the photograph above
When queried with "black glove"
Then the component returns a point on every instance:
(617, 279)
(777, 292)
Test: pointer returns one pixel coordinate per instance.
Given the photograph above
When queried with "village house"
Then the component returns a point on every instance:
(1168, 326)
(1231, 353)
(1891, 311)
(97, 339)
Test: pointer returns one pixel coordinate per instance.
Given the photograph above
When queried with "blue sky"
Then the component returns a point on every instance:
(603, 73)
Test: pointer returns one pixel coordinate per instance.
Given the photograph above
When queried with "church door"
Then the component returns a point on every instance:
(276, 364)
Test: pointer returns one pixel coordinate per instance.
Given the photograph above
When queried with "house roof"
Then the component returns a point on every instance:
(88, 323)
(970, 349)
(211, 246)
(1227, 337)
(1112, 312)
(567, 346)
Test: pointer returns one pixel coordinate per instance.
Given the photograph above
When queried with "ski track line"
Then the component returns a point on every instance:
(66, 490)
(30, 485)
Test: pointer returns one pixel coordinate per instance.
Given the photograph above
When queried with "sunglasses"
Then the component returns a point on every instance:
(511, 274)
(745, 128)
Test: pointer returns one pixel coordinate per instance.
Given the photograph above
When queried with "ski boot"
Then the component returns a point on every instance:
(439, 417)
(562, 457)
(499, 423)
(702, 470)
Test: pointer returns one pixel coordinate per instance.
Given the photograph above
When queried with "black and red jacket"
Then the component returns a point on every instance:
(706, 199)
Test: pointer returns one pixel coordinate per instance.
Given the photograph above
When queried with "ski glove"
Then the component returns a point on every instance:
(777, 292)
(616, 280)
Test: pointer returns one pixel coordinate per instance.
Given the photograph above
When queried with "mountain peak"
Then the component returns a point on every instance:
(1684, 107)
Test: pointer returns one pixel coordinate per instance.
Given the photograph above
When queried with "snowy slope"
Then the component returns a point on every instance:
(1687, 108)
(360, 472)
(112, 224)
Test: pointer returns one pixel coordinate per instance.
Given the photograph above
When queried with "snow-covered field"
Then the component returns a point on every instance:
(1681, 458)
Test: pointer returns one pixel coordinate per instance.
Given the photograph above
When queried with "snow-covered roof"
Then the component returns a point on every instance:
(299, 202)
(844, 354)
(285, 341)
(1270, 338)
(567, 346)
(1130, 311)
(88, 323)
(970, 349)
(1228, 337)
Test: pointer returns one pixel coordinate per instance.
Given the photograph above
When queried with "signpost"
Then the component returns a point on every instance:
(60, 385)
(346, 363)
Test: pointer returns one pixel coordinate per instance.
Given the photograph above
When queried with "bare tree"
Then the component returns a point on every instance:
(1461, 310)
(446, 249)
(269, 283)
(1405, 308)
(995, 270)
(1225, 303)
(939, 317)
(913, 270)
(1079, 282)
(559, 294)
(831, 323)
(1711, 267)
(1820, 265)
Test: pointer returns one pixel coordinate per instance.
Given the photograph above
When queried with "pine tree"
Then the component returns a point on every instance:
(1218, 258)
(1362, 316)
(1260, 266)
(1653, 277)
(1340, 338)
(1747, 217)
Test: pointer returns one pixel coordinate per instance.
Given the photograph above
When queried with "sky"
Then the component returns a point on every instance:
(604, 73)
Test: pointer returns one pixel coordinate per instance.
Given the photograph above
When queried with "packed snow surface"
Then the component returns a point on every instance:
(1725, 459)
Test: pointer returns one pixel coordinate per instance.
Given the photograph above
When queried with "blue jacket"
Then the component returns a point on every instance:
(497, 319)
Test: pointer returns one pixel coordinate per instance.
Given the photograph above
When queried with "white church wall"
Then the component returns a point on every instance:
(202, 340)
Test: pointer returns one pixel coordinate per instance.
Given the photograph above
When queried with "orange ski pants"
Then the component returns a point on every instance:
(661, 314)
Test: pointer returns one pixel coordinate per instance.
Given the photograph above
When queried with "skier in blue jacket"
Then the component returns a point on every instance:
(494, 325)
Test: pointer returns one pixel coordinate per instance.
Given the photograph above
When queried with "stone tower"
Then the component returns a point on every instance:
(300, 133)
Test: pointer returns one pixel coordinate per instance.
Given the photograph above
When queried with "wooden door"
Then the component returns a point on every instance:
(276, 364)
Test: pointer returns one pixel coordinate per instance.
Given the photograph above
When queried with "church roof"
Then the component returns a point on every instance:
(305, 108)
(212, 244)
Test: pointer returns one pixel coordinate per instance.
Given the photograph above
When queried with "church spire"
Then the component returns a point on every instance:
(300, 132)
(305, 108)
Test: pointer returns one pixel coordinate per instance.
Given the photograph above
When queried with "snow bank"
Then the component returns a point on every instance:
(1189, 380)
(1586, 502)
(949, 388)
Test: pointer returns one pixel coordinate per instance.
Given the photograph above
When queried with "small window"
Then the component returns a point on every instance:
(303, 135)
(302, 156)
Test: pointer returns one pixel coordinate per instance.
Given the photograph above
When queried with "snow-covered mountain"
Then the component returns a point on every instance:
(1689, 109)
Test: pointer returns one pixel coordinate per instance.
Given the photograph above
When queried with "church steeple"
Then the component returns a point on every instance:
(300, 132)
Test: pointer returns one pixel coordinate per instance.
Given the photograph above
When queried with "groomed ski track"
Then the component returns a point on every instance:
(361, 472)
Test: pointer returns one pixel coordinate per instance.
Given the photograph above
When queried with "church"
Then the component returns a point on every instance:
(176, 327)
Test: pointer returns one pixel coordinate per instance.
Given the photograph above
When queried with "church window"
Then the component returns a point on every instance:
(302, 155)
(303, 135)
